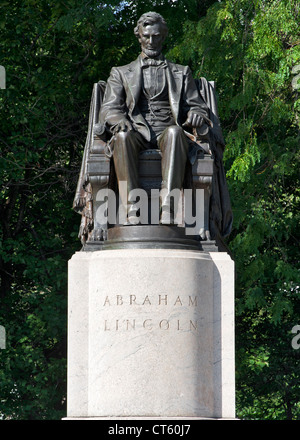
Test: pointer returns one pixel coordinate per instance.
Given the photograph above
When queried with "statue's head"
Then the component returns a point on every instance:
(151, 30)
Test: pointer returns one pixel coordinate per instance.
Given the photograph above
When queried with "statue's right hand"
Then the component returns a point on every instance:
(124, 125)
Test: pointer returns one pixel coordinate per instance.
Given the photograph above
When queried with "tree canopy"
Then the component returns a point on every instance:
(53, 52)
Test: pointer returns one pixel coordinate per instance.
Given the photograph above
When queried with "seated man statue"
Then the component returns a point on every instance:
(148, 104)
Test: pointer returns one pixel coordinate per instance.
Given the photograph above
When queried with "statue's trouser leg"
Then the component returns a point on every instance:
(127, 145)
(174, 148)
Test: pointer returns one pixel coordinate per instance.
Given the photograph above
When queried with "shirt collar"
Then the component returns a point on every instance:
(146, 61)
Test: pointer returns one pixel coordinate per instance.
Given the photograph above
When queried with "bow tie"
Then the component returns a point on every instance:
(153, 62)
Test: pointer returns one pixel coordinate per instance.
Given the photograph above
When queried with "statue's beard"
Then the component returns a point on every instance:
(151, 53)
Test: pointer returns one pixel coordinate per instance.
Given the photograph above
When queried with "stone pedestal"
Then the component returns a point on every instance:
(151, 334)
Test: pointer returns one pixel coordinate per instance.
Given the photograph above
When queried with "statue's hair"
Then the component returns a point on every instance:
(150, 18)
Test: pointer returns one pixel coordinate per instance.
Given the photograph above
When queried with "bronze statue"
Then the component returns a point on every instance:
(146, 105)
(153, 105)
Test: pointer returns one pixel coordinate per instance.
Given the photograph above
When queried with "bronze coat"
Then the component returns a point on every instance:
(125, 85)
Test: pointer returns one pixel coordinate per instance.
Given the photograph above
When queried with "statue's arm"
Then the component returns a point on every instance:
(113, 112)
(194, 107)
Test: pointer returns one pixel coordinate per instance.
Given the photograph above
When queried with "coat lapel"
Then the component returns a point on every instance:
(134, 81)
(133, 88)
(175, 81)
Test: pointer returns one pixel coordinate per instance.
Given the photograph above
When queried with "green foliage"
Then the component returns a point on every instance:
(52, 58)
(53, 52)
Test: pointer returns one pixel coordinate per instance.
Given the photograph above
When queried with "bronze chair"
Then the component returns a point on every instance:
(206, 173)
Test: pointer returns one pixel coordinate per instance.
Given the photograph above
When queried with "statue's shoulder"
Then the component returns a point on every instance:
(178, 67)
(126, 67)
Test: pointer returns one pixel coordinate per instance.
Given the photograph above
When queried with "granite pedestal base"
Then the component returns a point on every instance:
(151, 334)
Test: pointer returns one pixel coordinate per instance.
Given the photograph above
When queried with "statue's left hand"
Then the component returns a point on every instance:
(194, 120)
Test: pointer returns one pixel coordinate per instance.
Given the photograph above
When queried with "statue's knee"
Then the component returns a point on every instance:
(174, 130)
(123, 139)
(122, 136)
(174, 139)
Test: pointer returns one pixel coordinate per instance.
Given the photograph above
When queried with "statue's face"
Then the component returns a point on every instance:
(151, 40)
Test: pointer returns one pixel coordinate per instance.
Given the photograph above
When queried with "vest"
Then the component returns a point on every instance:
(154, 102)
